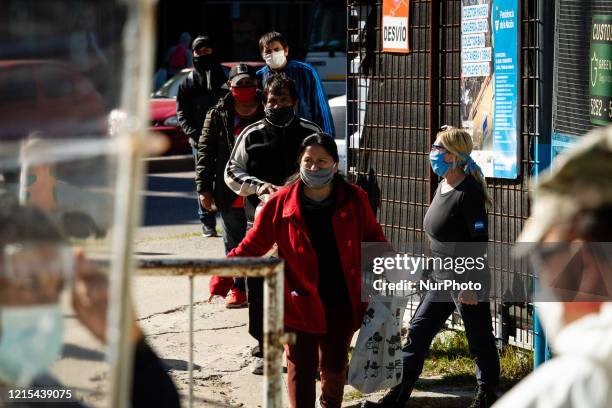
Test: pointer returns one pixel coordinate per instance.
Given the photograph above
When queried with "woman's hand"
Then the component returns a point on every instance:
(468, 297)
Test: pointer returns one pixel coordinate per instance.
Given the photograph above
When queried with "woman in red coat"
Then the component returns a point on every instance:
(318, 222)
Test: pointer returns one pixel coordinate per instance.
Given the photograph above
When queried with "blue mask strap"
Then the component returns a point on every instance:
(470, 165)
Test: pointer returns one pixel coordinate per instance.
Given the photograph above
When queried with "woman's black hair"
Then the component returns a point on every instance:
(325, 140)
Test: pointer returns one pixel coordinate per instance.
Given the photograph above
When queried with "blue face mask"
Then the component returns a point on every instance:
(439, 166)
(31, 340)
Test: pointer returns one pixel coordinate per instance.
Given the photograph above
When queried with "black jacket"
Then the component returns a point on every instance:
(196, 95)
(214, 148)
(266, 153)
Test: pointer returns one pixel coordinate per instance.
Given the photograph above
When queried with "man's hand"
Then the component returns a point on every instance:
(90, 299)
(468, 297)
(207, 200)
(267, 188)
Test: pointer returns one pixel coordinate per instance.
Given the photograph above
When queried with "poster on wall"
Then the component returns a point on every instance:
(560, 143)
(600, 86)
(490, 82)
(395, 27)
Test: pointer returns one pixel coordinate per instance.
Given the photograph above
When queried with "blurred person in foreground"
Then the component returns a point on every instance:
(318, 221)
(36, 264)
(568, 240)
(222, 126)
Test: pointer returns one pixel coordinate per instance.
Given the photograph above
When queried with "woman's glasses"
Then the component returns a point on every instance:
(438, 148)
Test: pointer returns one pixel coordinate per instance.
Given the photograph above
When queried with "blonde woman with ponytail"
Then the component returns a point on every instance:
(459, 144)
(457, 227)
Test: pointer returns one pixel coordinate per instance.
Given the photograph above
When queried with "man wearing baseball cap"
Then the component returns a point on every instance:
(224, 122)
(568, 239)
(199, 91)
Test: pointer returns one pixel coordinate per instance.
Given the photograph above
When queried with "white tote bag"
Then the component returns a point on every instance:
(376, 362)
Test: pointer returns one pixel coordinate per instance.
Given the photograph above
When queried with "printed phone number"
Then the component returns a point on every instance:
(39, 394)
(599, 110)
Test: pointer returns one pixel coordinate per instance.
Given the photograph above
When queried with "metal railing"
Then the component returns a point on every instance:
(271, 269)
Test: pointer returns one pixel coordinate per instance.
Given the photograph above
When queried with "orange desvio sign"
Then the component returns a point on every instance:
(395, 25)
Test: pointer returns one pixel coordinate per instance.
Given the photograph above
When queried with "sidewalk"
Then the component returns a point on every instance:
(222, 344)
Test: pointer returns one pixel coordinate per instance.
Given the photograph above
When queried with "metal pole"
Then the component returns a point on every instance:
(434, 77)
(273, 337)
(138, 37)
(547, 14)
(190, 364)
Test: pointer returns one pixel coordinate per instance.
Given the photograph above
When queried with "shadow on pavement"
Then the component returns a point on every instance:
(81, 353)
(179, 365)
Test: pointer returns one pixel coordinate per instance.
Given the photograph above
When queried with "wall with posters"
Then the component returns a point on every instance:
(489, 83)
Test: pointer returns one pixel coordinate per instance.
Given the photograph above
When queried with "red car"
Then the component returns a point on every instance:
(163, 110)
(49, 97)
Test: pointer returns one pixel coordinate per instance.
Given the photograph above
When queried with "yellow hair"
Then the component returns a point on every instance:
(458, 142)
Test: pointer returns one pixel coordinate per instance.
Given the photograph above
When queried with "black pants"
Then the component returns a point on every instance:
(234, 227)
(256, 298)
(432, 312)
(207, 218)
(254, 288)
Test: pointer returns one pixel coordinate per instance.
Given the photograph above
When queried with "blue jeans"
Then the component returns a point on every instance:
(207, 218)
(430, 316)
(234, 228)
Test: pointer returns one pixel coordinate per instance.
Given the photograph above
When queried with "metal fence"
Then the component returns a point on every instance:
(396, 103)
(271, 269)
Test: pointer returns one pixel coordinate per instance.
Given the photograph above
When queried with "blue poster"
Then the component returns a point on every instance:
(490, 83)
(506, 84)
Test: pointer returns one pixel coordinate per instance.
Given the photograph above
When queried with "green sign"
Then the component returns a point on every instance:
(600, 84)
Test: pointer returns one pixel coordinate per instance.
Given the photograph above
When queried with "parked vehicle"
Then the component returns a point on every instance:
(337, 106)
(327, 46)
(50, 98)
(163, 110)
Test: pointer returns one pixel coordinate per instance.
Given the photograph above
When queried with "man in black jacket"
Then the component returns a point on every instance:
(198, 92)
(264, 156)
(222, 126)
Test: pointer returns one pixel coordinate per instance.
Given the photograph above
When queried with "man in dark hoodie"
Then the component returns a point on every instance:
(199, 91)
(222, 126)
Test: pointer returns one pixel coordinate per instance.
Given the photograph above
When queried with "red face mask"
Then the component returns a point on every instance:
(244, 94)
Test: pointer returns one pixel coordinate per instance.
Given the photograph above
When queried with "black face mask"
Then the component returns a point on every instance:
(280, 116)
(203, 63)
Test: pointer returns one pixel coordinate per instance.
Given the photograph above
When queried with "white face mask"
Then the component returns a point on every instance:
(31, 340)
(275, 59)
(551, 314)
